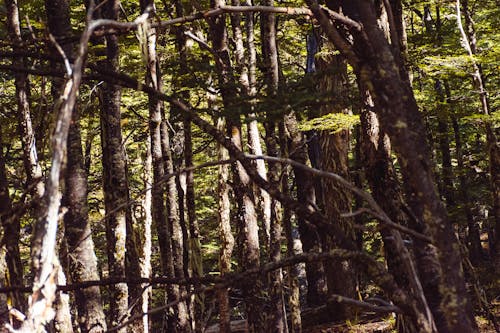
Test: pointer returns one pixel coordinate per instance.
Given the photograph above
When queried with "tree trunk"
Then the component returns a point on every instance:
(447, 189)
(83, 261)
(122, 252)
(469, 39)
(159, 211)
(194, 246)
(309, 190)
(173, 222)
(386, 191)
(242, 186)
(305, 193)
(13, 273)
(30, 159)
(33, 170)
(82, 258)
(473, 237)
(401, 119)
(263, 199)
(271, 75)
(147, 247)
(341, 277)
(225, 234)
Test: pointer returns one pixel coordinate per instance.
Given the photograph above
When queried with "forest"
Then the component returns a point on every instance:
(279, 166)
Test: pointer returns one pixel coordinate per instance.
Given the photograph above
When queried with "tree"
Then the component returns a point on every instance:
(170, 216)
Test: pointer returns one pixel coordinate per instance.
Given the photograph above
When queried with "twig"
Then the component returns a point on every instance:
(377, 211)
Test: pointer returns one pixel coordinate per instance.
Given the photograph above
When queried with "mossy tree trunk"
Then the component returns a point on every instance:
(377, 63)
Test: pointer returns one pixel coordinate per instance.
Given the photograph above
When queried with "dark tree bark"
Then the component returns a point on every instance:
(310, 190)
(159, 211)
(115, 181)
(381, 176)
(30, 159)
(31, 166)
(193, 247)
(121, 249)
(341, 277)
(271, 78)
(180, 319)
(241, 182)
(82, 258)
(374, 62)
(13, 273)
(305, 193)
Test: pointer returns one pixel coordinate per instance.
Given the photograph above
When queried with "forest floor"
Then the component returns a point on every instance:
(385, 326)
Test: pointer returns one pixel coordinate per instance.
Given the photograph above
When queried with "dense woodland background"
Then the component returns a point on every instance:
(196, 166)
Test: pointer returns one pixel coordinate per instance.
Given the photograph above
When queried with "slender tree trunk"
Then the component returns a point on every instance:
(262, 197)
(242, 186)
(13, 269)
(469, 38)
(123, 257)
(30, 159)
(271, 74)
(194, 245)
(159, 211)
(250, 215)
(473, 237)
(33, 170)
(309, 190)
(147, 247)
(173, 220)
(82, 258)
(225, 234)
(115, 187)
(158, 139)
(305, 193)
(447, 189)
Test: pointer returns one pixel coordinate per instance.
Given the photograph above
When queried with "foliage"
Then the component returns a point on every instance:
(332, 123)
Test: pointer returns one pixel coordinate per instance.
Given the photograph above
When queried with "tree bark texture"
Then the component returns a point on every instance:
(225, 234)
(341, 278)
(13, 265)
(158, 191)
(31, 166)
(30, 159)
(181, 316)
(82, 258)
(122, 253)
(310, 190)
(262, 198)
(470, 41)
(386, 190)
(274, 127)
(241, 182)
(373, 60)
(194, 243)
